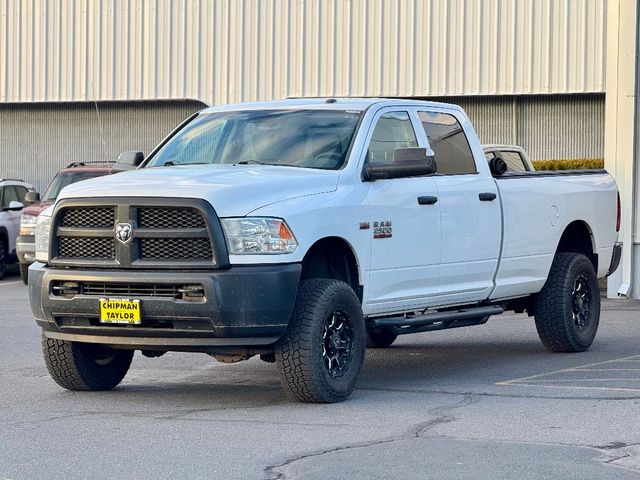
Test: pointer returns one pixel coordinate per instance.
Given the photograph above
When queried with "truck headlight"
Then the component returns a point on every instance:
(43, 234)
(28, 224)
(258, 236)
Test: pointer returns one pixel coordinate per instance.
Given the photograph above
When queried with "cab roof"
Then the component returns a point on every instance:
(327, 103)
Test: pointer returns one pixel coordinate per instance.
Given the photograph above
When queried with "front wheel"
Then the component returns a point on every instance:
(85, 366)
(567, 309)
(321, 354)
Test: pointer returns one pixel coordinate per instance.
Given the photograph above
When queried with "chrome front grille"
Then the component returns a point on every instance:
(162, 236)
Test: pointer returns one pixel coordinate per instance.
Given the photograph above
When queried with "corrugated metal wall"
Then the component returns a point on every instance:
(226, 51)
(549, 127)
(38, 140)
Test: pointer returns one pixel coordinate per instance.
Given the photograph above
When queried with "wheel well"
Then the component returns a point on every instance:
(577, 238)
(333, 258)
(4, 238)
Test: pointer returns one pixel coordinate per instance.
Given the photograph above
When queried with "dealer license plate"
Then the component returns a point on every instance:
(117, 310)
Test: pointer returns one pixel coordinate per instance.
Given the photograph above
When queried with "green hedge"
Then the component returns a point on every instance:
(568, 164)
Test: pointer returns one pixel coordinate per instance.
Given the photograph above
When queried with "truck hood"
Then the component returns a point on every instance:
(233, 190)
(36, 208)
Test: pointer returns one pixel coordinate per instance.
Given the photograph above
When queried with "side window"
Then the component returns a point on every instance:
(393, 130)
(21, 192)
(448, 142)
(9, 196)
(514, 161)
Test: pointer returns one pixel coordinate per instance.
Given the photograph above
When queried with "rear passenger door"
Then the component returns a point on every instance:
(471, 223)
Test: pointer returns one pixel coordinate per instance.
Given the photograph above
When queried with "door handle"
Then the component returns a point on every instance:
(427, 200)
(487, 196)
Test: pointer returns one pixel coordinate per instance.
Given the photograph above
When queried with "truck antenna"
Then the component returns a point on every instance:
(95, 102)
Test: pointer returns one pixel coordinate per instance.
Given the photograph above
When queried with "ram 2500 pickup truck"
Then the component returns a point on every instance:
(306, 230)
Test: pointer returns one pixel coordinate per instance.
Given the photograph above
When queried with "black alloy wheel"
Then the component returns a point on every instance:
(581, 303)
(337, 343)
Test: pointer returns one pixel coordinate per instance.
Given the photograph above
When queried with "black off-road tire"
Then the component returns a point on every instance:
(304, 354)
(567, 309)
(381, 337)
(85, 366)
(24, 273)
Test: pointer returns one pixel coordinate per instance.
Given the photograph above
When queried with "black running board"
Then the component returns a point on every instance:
(464, 317)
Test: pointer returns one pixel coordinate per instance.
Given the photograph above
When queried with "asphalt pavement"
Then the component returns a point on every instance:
(473, 403)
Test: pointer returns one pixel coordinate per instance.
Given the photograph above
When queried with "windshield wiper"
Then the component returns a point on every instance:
(247, 162)
(169, 163)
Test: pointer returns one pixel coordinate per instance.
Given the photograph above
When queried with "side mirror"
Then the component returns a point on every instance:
(407, 162)
(31, 197)
(498, 166)
(132, 157)
(14, 206)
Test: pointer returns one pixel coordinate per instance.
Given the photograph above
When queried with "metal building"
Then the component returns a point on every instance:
(531, 72)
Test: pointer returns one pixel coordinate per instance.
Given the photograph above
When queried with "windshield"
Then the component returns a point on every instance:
(298, 138)
(61, 180)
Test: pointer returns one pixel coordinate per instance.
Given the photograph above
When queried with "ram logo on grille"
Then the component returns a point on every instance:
(124, 232)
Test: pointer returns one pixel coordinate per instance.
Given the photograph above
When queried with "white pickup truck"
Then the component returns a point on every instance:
(305, 230)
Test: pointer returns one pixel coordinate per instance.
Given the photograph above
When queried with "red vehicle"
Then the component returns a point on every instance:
(75, 172)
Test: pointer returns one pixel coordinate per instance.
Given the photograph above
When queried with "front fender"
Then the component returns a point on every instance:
(314, 217)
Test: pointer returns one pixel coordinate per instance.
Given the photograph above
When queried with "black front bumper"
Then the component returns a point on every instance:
(244, 306)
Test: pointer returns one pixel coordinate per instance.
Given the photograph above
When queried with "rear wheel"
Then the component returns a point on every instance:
(85, 366)
(24, 273)
(321, 353)
(381, 337)
(567, 309)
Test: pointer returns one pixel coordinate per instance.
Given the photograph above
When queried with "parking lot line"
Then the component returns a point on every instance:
(545, 380)
(607, 369)
(572, 387)
(10, 283)
(564, 370)
(587, 380)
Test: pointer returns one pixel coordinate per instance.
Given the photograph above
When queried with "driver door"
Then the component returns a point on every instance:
(405, 232)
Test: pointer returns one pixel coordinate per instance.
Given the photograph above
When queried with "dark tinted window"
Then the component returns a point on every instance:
(21, 192)
(9, 196)
(61, 180)
(448, 142)
(393, 130)
(514, 161)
